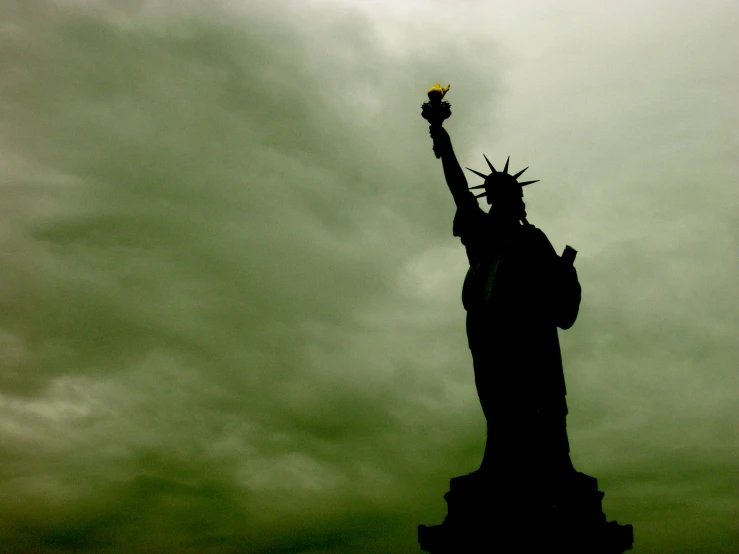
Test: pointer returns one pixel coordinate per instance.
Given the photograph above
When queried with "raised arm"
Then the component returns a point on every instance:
(455, 179)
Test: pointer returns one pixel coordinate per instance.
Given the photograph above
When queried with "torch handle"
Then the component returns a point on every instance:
(435, 111)
(439, 145)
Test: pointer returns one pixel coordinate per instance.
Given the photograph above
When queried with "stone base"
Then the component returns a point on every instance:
(488, 514)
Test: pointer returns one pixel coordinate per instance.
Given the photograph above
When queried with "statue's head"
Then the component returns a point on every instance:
(503, 192)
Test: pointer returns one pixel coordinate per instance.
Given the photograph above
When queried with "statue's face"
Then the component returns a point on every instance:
(507, 203)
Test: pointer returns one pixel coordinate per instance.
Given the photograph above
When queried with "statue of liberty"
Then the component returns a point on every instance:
(517, 292)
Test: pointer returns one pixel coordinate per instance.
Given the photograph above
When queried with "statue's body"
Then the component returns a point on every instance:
(516, 293)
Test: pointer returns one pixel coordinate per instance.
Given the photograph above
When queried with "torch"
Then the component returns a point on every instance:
(436, 110)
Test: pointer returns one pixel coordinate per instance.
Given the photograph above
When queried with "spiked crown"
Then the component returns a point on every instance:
(498, 178)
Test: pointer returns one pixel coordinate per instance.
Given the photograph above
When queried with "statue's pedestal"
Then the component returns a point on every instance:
(494, 514)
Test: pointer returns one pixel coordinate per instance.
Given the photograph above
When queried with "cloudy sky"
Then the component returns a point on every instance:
(230, 315)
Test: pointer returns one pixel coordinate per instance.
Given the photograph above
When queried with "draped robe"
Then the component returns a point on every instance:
(517, 292)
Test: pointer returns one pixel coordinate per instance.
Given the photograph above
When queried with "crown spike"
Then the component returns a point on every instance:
(478, 173)
(477, 187)
(528, 183)
(480, 195)
(489, 164)
(505, 169)
(516, 176)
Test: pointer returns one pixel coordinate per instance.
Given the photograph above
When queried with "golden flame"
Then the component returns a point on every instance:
(438, 89)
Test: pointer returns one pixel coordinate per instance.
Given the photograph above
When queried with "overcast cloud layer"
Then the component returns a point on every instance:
(230, 315)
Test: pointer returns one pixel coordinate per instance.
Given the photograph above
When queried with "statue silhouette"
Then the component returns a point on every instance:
(517, 293)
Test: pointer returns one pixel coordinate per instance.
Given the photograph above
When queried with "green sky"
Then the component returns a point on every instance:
(230, 315)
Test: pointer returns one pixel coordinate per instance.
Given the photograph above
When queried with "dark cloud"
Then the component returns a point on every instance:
(230, 294)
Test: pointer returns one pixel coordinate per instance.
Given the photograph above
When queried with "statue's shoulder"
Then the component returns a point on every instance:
(535, 238)
(527, 231)
(532, 234)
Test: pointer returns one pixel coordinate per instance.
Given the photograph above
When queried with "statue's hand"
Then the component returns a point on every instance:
(442, 142)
